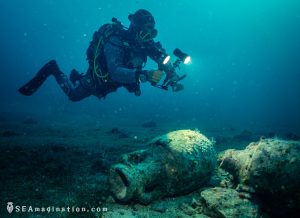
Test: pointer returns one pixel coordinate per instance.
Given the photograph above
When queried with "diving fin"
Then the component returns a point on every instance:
(33, 85)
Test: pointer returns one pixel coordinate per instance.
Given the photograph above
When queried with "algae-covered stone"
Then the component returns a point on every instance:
(172, 164)
(269, 164)
(271, 167)
(227, 203)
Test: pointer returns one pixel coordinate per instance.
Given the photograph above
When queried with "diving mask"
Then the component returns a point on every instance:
(146, 35)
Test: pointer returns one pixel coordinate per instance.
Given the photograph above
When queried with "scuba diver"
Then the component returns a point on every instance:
(116, 57)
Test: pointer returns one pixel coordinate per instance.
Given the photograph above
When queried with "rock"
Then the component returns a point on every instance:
(159, 208)
(150, 124)
(116, 213)
(116, 131)
(227, 203)
(271, 167)
(245, 188)
(221, 178)
(291, 136)
(172, 164)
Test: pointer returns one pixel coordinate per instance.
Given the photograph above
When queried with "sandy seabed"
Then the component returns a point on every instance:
(64, 163)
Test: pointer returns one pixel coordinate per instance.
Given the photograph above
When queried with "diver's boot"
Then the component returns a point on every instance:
(33, 85)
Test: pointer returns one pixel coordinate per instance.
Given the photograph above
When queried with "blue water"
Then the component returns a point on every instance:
(245, 69)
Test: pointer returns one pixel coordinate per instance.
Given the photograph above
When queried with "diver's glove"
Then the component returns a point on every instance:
(152, 76)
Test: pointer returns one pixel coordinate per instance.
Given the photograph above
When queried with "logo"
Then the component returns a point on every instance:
(10, 207)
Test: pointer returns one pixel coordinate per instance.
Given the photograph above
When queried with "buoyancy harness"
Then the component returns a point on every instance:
(95, 56)
(94, 52)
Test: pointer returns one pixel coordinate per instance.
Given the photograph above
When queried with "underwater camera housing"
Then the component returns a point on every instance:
(172, 78)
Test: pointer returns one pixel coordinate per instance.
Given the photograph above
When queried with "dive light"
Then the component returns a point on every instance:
(172, 79)
(166, 59)
(182, 56)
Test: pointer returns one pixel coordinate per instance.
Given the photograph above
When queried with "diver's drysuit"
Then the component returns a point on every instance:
(121, 58)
